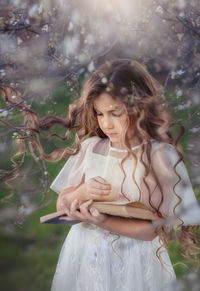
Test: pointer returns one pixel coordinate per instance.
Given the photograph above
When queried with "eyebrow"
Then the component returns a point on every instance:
(116, 108)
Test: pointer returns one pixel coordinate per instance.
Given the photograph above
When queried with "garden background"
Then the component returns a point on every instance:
(47, 50)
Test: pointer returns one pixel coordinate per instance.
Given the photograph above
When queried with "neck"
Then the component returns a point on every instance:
(119, 145)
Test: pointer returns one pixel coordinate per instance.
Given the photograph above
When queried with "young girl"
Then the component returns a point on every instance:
(127, 153)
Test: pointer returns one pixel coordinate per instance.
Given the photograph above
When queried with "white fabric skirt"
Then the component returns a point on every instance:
(93, 259)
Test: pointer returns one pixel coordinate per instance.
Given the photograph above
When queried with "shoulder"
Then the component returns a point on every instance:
(85, 148)
(89, 143)
(164, 151)
(162, 146)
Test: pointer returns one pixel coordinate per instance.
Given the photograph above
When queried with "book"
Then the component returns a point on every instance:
(136, 210)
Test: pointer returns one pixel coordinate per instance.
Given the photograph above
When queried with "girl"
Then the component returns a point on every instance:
(127, 153)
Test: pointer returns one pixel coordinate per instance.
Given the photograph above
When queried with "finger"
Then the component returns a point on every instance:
(86, 203)
(84, 207)
(101, 180)
(74, 206)
(67, 211)
(97, 185)
(100, 191)
(62, 202)
(64, 207)
(94, 212)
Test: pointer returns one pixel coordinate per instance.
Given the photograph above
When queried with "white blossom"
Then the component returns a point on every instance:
(177, 73)
(81, 70)
(40, 9)
(181, 4)
(159, 9)
(82, 58)
(71, 45)
(195, 129)
(180, 36)
(104, 80)
(183, 106)
(75, 16)
(15, 134)
(83, 30)
(181, 14)
(3, 113)
(180, 72)
(16, 2)
(179, 93)
(173, 74)
(3, 146)
(29, 210)
(89, 39)
(45, 28)
(91, 67)
(195, 96)
(190, 146)
(70, 26)
(21, 210)
(33, 10)
(66, 62)
(2, 72)
(19, 40)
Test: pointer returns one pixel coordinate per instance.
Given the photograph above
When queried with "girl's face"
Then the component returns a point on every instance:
(113, 119)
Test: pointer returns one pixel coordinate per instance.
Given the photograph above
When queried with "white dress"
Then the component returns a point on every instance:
(94, 259)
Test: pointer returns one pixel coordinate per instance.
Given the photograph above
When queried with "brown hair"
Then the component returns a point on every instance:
(129, 82)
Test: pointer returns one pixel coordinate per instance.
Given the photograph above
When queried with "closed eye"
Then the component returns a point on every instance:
(113, 114)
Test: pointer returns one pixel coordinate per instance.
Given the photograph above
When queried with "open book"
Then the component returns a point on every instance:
(124, 209)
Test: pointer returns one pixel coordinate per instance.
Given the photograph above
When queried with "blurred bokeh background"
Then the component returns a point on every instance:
(48, 48)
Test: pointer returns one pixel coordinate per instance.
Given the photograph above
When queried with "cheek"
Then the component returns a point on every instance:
(99, 122)
(123, 123)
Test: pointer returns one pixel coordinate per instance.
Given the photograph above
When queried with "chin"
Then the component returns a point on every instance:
(114, 138)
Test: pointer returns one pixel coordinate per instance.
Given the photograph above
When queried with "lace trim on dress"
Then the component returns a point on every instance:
(122, 150)
(103, 147)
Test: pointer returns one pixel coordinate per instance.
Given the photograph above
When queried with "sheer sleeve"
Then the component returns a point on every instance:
(178, 202)
(73, 171)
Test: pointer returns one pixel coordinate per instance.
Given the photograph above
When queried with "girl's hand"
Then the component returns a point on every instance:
(83, 213)
(95, 188)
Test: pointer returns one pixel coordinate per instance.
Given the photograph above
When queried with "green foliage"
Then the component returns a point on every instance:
(29, 253)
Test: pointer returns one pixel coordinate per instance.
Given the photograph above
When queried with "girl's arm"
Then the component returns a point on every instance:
(67, 196)
(96, 188)
(133, 228)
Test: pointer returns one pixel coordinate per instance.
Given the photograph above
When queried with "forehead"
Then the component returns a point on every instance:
(106, 102)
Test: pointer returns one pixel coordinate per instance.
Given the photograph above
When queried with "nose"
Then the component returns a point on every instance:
(107, 122)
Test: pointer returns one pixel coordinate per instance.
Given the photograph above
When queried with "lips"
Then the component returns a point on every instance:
(111, 134)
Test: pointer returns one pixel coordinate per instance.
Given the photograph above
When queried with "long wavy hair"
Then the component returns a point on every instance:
(127, 81)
